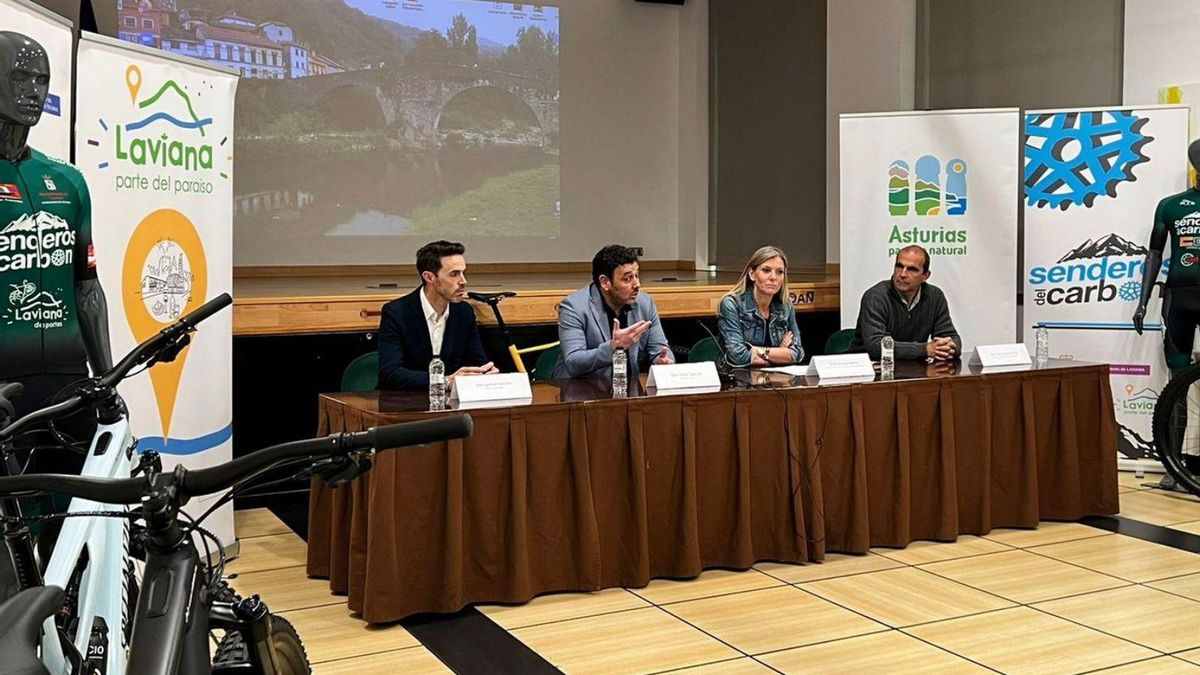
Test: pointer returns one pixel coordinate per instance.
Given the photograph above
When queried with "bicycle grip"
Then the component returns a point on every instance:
(418, 433)
(11, 390)
(208, 309)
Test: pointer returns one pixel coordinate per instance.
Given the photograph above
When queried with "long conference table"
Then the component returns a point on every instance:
(580, 491)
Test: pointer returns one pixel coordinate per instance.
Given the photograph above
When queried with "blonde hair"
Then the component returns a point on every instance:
(759, 257)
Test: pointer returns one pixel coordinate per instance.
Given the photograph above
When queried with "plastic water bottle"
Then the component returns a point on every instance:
(887, 358)
(1042, 337)
(437, 384)
(620, 373)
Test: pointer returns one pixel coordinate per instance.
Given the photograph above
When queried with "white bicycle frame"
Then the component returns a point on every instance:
(103, 588)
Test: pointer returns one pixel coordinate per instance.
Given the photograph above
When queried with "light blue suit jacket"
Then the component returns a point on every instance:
(584, 331)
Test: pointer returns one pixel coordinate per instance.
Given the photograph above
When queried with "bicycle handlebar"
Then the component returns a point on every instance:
(224, 476)
(142, 353)
(150, 348)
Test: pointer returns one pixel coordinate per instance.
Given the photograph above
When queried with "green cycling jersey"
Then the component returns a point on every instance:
(45, 250)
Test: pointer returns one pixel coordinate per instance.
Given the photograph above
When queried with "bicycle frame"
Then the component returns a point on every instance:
(102, 590)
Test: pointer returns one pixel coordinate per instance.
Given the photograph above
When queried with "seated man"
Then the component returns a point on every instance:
(609, 313)
(433, 319)
(913, 312)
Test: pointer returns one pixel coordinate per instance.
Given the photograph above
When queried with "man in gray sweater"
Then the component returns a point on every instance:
(912, 311)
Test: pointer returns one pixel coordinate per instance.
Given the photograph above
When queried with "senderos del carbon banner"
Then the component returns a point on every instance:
(1093, 178)
(52, 135)
(946, 181)
(154, 138)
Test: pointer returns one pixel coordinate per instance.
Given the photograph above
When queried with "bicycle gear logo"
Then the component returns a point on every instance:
(1072, 158)
(36, 242)
(166, 148)
(166, 281)
(926, 193)
(29, 305)
(1187, 259)
(1106, 278)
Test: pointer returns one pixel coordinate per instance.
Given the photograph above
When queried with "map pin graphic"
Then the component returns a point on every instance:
(133, 80)
(1129, 390)
(165, 275)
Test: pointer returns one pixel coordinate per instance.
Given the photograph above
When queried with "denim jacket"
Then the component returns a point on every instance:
(741, 327)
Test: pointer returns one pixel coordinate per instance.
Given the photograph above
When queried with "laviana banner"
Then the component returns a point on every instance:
(1093, 178)
(947, 181)
(154, 139)
(52, 135)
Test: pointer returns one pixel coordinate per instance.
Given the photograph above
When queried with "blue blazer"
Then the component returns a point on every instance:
(584, 331)
(405, 350)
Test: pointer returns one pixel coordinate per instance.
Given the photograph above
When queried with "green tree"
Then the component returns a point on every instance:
(463, 41)
(535, 53)
(431, 47)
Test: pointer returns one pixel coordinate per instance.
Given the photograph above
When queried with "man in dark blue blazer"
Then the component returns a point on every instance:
(433, 319)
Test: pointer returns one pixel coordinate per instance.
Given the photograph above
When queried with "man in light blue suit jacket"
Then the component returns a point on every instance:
(609, 313)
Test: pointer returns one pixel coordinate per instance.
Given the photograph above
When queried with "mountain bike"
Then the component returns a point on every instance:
(1178, 446)
(78, 622)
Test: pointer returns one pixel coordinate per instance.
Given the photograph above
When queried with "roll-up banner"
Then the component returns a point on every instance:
(947, 181)
(52, 135)
(1093, 178)
(154, 138)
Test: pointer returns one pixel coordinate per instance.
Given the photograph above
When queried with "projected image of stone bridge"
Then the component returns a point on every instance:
(415, 106)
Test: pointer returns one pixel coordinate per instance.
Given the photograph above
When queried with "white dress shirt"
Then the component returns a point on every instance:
(435, 323)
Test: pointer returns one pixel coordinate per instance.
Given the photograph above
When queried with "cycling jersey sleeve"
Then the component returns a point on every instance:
(85, 251)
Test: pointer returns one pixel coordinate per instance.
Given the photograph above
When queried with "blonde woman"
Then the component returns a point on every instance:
(756, 319)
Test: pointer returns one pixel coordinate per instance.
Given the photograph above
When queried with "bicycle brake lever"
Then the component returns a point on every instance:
(168, 353)
(337, 470)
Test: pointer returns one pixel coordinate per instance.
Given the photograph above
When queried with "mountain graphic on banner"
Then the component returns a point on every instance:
(1110, 245)
(1133, 446)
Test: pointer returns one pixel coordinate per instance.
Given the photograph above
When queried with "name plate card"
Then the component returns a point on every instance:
(671, 376)
(474, 389)
(841, 366)
(1003, 355)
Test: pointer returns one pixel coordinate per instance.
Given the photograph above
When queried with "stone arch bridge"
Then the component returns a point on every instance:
(407, 101)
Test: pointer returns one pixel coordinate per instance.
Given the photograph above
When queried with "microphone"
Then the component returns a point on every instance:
(723, 368)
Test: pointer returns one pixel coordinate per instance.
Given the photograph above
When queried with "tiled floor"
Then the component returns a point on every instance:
(1065, 598)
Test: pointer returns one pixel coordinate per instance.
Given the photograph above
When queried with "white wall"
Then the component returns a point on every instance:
(871, 53)
(1160, 47)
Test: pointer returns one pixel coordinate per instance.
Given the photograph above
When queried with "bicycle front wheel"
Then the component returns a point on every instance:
(1178, 446)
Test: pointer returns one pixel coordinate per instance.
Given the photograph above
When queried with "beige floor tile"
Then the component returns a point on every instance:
(639, 641)
(903, 597)
(835, 565)
(1191, 656)
(1023, 577)
(1191, 528)
(270, 552)
(331, 633)
(743, 666)
(285, 589)
(1128, 479)
(1023, 640)
(891, 652)
(1046, 533)
(1163, 665)
(1158, 508)
(1124, 557)
(1188, 586)
(1143, 615)
(772, 619)
(708, 584)
(561, 606)
(249, 523)
(411, 661)
(920, 552)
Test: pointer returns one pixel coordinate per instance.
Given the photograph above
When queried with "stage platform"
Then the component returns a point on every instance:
(308, 300)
